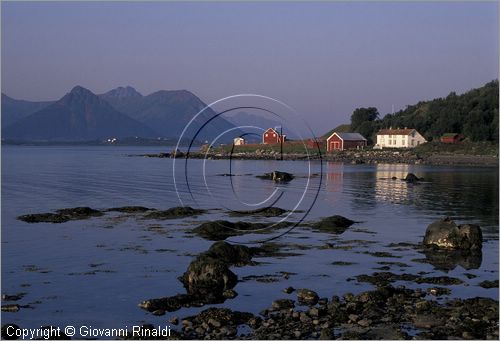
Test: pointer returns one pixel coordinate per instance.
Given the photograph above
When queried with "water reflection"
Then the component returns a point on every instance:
(334, 180)
(448, 260)
(389, 186)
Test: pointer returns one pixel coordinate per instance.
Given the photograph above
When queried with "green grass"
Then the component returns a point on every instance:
(466, 148)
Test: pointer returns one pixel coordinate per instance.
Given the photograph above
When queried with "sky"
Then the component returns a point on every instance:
(324, 59)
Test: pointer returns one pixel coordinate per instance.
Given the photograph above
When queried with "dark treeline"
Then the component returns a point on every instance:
(473, 114)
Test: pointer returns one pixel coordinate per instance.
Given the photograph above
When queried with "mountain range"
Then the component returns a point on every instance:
(81, 115)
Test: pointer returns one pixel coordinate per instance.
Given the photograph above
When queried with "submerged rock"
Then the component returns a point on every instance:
(335, 224)
(264, 212)
(61, 216)
(277, 176)
(384, 278)
(489, 284)
(445, 234)
(11, 308)
(129, 209)
(222, 229)
(173, 303)
(174, 213)
(15, 297)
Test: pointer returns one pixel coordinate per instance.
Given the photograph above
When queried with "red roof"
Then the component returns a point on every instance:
(395, 131)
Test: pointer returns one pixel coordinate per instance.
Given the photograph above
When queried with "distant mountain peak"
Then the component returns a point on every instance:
(123, 92)
(80, 92)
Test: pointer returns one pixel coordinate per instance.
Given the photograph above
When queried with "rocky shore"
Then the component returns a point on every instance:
(421, 309)
(348, 156)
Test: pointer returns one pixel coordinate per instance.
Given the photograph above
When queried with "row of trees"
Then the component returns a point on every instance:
(473, 114)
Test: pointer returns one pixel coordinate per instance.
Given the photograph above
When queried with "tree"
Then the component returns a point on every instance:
(361, 115)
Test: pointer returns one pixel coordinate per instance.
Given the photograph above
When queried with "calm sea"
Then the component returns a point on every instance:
(94, 272)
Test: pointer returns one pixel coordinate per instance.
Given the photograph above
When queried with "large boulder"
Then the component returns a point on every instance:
(206, 275)
(445, 234)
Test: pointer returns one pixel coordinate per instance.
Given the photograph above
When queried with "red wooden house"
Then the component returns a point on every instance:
(452, 138)
(341, 141)
(271, 136)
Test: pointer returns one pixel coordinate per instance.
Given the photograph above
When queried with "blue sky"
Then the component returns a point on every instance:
(324, 59)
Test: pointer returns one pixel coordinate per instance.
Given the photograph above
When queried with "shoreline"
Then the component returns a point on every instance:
(351, 157)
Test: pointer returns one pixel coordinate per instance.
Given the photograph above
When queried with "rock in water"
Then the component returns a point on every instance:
(283, 303)
(174, 213)
(207, 275)
(444, 233)
(410, 177)
(334, 224)
(230, 254)
(277, 176)
(61, 215)
(307, 297)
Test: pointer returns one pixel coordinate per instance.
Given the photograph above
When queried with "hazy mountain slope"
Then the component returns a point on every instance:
(78, 116)
(168, 113)
(14, 109)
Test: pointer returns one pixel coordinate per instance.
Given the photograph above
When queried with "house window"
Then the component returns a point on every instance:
(274, 135)
(267, 135)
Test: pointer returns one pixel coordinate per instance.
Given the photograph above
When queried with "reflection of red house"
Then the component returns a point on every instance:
(271, 136)
(452, 138)
(341, 141)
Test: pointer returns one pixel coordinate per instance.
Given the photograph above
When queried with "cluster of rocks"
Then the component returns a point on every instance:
(384, 313)
(79, 213)
(61, 216)
(207, 280)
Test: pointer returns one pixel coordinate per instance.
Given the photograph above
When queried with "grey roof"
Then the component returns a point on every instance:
(351, 136)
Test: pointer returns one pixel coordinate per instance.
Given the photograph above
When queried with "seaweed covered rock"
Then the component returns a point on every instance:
(445, 234)
(230, 254)
(61, 216)
(208, 275)
(222, 229)
(277, 176)
(264, 212)
(129, 209)
(174, 213)
(334, 224)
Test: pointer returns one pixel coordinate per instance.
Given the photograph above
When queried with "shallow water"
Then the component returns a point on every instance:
(96, 271)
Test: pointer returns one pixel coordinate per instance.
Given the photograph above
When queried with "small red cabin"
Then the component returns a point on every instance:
(315, 143)
(453, 138)
(341, 141)
(271, 136)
